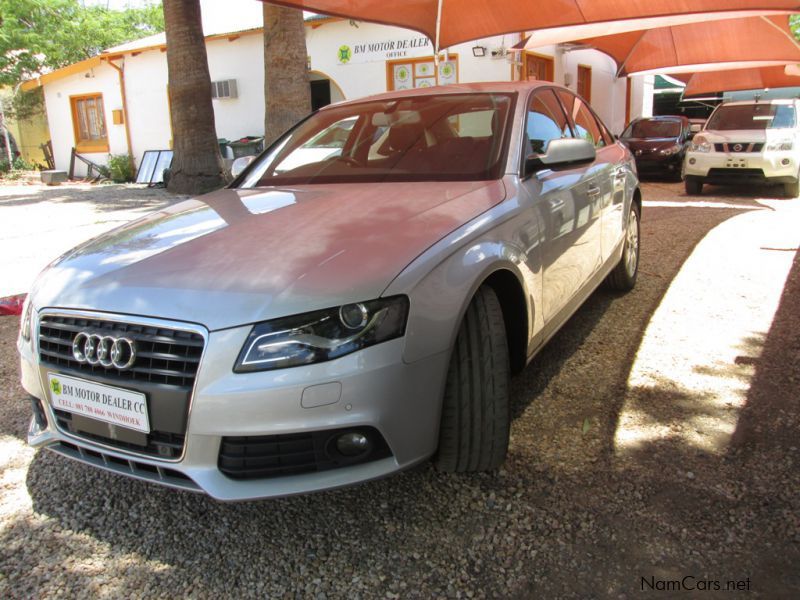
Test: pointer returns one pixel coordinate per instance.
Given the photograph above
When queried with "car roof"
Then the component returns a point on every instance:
(663, 118)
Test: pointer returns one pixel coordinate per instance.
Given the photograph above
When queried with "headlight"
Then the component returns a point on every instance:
(671, 150)
(322, 335)
(25, 324)
(780, 145)
(700, 144)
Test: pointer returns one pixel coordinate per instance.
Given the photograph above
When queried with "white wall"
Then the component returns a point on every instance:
(608, 93)
(102, 79)
(243, 60)
(148, 105)
(642, 96)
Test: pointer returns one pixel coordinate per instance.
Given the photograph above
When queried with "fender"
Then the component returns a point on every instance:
(466, 258)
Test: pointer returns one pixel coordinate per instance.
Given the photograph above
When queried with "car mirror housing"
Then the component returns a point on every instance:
(561, 153)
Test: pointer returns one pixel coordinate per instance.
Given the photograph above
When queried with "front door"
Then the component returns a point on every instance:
(538, 67)
(564, 202)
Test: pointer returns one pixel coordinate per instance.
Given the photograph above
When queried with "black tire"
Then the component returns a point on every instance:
(792, 190)
(623, 277)
(694, 187)
(473, 434)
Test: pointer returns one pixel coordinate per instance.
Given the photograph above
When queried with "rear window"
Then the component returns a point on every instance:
(753, 116)
(653, 129)
(448, 137)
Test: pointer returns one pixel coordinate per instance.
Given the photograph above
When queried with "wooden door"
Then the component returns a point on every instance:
(585, 82)
(538, 67)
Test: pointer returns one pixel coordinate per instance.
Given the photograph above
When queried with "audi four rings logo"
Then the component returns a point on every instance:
(104, 350)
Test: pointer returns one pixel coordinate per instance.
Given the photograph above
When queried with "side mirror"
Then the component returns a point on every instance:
(561, 153)
(240, 164)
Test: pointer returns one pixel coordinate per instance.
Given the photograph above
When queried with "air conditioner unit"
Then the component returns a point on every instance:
(224, 89)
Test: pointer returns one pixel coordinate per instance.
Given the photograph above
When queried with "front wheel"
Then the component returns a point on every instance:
(694, 187)
(623, 277)
(473, 434)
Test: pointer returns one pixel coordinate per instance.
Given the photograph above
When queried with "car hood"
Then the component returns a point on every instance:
(746, 135)
(649, 144)
(241, 256)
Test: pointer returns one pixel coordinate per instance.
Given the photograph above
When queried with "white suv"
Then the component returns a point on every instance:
(751, 141)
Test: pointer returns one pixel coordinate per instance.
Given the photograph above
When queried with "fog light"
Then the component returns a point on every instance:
(692, 161)
(353, 444)
(785, 162)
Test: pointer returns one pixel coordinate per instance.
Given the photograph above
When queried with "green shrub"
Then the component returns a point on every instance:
(120, 168)
(19, 164)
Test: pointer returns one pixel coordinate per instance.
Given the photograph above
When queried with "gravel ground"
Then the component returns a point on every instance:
(642, 447)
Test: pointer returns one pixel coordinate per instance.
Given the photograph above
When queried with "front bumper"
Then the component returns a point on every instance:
(371, 388)
(722, 167)
(654, 164)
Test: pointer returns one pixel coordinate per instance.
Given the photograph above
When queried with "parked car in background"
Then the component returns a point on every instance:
(746, 142)
(696, 125)
(658, 144)
(343, 318)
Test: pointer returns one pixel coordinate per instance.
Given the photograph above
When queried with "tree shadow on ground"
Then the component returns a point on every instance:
(102, 197)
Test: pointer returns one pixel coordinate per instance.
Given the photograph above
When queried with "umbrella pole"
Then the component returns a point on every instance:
(438, 32)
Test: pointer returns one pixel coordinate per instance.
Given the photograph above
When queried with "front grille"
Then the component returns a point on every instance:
(742, 147)
(167, 356)
(161, 444)
(165, 369)
(261, 457)
(735, 174)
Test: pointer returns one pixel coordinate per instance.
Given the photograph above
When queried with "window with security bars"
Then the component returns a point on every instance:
(89, 123)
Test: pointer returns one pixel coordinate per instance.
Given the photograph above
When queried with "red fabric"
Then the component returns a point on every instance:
(465, 20)
(739, 79)
(12, 305)
(750, 39)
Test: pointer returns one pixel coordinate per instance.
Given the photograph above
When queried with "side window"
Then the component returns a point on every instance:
(586, 126)
(546, 121)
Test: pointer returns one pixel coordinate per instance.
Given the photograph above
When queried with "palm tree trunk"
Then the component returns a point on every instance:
(197, 165)
(286, 89)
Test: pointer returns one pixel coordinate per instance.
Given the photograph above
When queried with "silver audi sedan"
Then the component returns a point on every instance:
(352, 305)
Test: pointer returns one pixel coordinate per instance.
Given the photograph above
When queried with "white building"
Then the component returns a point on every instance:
(117, 102)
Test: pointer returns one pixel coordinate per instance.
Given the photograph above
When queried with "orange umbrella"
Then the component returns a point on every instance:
(740, 79)
(449, 22)
(732, 43)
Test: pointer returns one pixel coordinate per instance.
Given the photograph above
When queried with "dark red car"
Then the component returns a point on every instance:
(658, 144)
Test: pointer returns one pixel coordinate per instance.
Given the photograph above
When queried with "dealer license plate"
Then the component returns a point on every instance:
(102, 402)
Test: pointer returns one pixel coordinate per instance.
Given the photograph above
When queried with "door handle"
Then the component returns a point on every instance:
(593, 191)
(620, 174)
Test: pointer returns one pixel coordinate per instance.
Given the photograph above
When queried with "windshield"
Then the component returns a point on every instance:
(752, 116)
(653, 129)
(453, 137)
